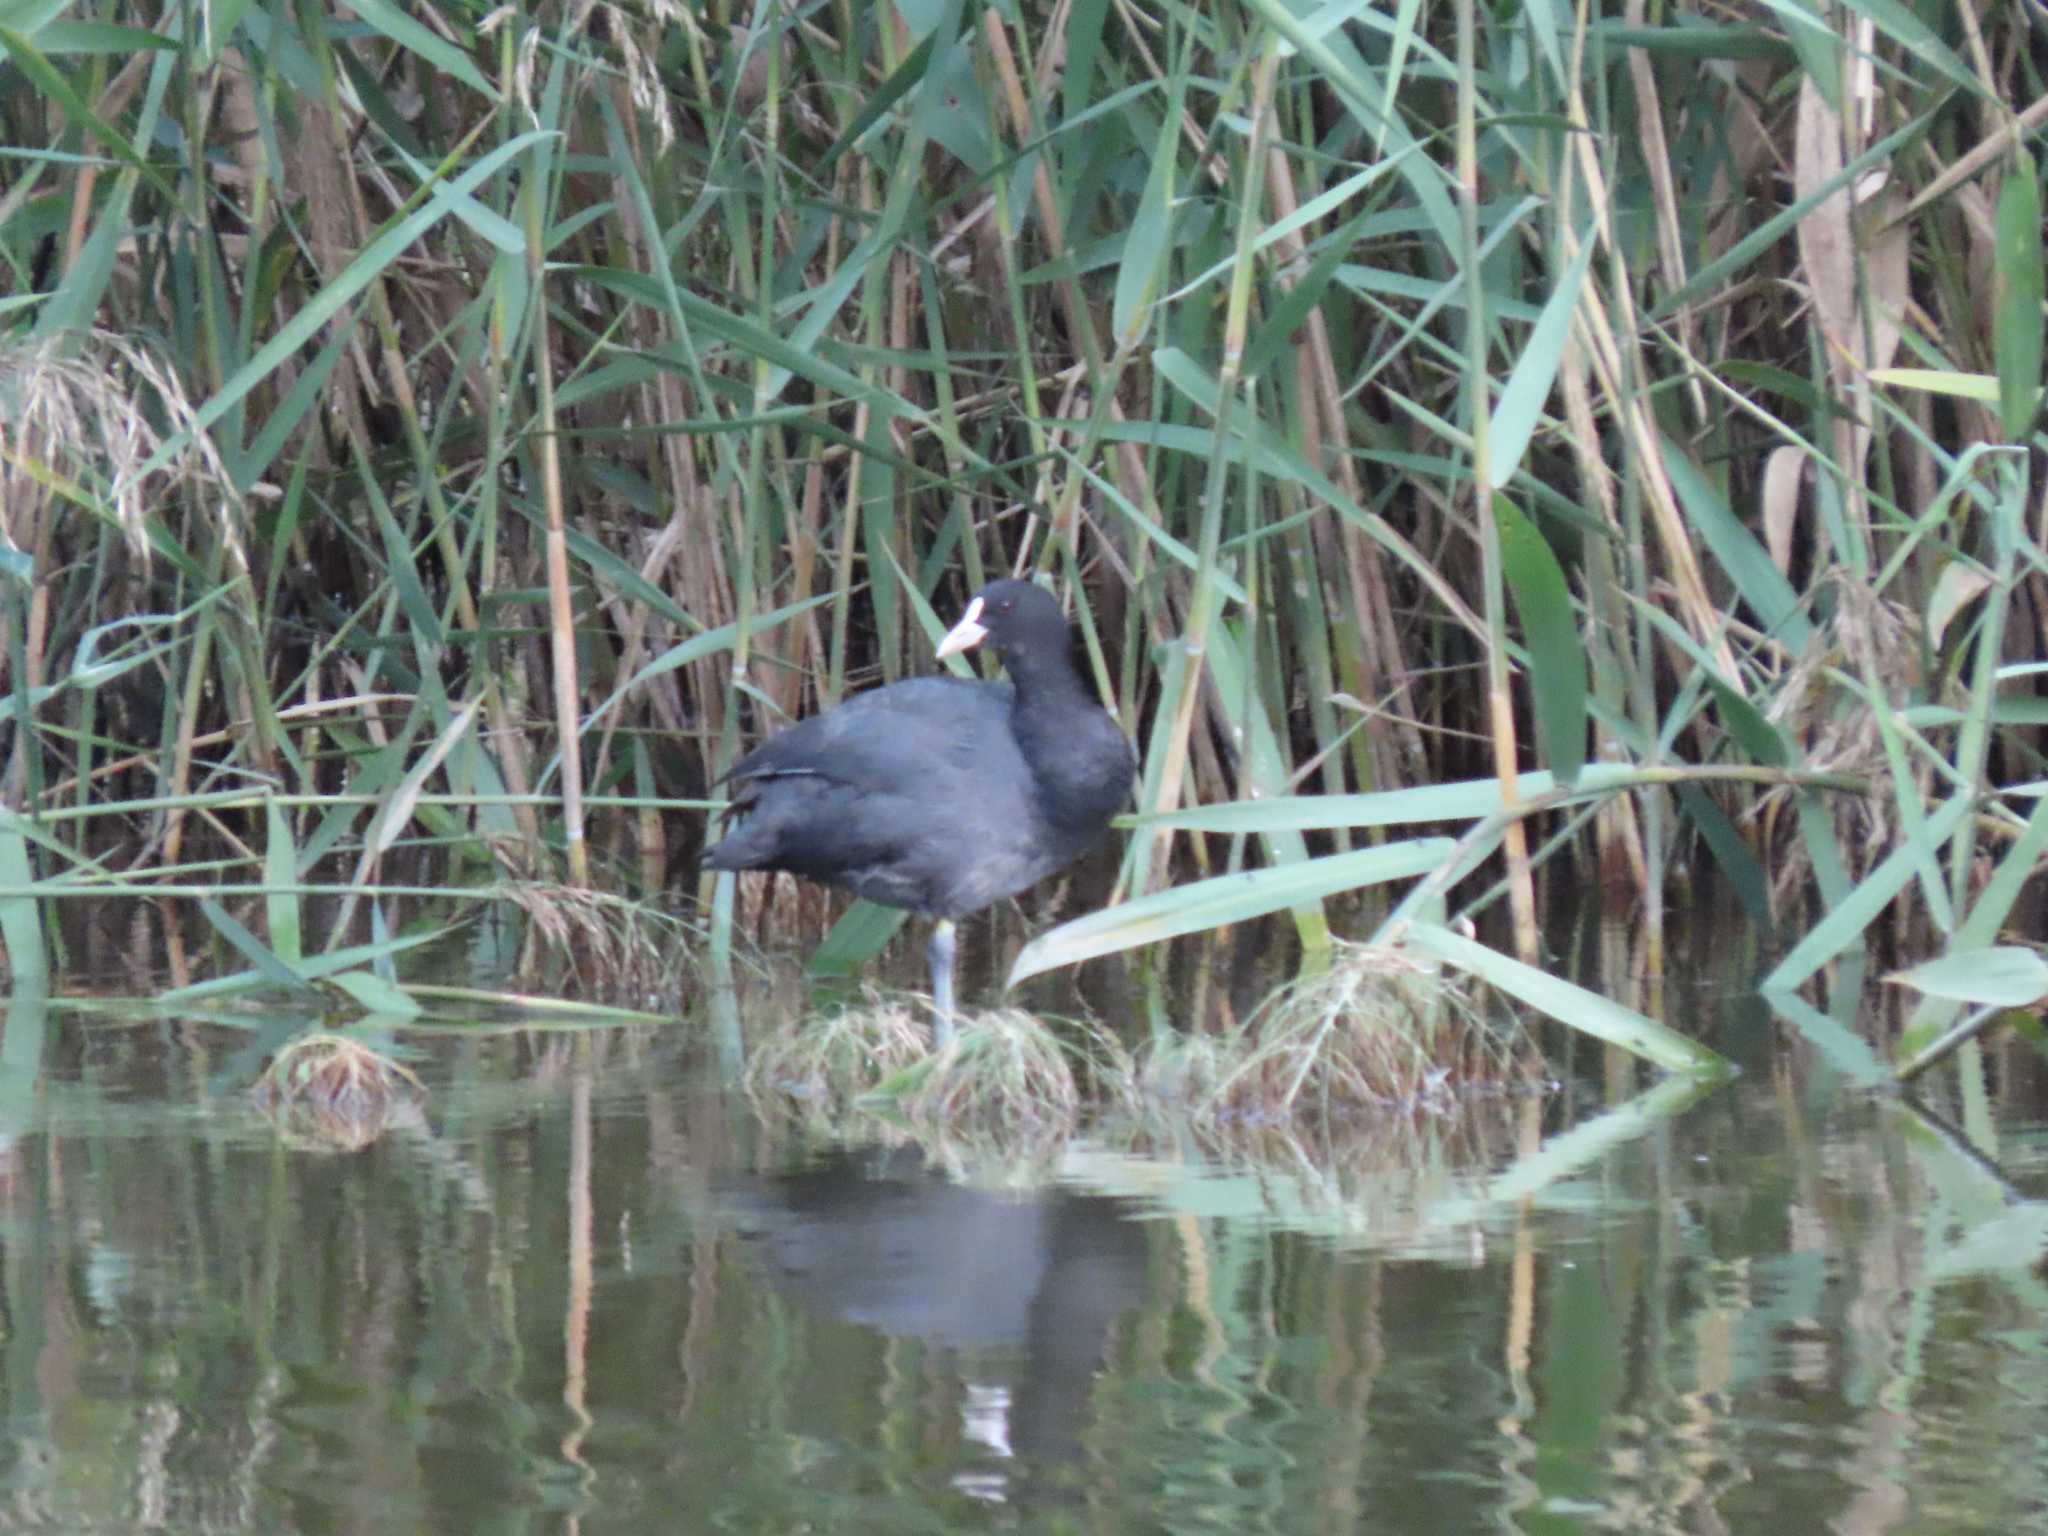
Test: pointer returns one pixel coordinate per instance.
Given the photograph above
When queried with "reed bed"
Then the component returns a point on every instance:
(455, 433)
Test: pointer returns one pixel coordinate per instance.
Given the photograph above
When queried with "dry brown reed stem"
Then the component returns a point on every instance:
(631, 617)
(702, 588)
(1826, 241)
(1618, 830)
(1137, 483)
(181, 751)
(1173, 783)
(1985, 152)
(1627, 404)
(1664, 201)
(112, 103)
(561, 608)
(1382, 674)
(397, 378)
(1500, 703)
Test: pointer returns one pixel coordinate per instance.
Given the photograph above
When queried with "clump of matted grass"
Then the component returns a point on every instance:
(1378, 1029)
(335, 1092)
(1005, 1074)
(820, 1067)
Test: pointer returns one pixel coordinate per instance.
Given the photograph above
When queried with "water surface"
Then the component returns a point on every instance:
(584, 1289)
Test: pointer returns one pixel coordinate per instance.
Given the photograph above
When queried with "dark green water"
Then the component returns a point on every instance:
(583, 1290)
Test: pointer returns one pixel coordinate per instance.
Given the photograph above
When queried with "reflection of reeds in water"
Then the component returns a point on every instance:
(1413, 1178)
(1478, 1133)
(332, 1092)
(1376, 1030)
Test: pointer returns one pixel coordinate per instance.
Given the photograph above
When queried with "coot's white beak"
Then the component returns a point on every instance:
(965, 635)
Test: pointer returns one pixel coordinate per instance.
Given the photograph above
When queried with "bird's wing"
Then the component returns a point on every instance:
(884, 740)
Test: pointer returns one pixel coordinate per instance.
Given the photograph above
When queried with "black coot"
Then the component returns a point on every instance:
(936, 794)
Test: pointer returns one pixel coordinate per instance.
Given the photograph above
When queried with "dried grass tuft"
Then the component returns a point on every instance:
(332, 1092)
(819, 1068)
(1378, 1030)
(78, 415)
(1005, 1074)
(1007, 1082)
(614, 950)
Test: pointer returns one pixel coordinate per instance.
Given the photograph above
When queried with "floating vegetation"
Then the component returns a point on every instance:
(333, 1092)
(1378, 1029)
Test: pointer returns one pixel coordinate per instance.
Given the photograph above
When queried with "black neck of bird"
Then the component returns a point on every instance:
(1046, 673)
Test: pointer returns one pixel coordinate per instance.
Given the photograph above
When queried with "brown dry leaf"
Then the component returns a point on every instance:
(1750, 149)
(1826, 245)
(1981, 264)
(1959, 585)
(1595, 478)
(1885, 271)
(1975, 205)
(1782, 474)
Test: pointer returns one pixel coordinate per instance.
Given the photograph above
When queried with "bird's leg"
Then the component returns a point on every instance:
(940, 952)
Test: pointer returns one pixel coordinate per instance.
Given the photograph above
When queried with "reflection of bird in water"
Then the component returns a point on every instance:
(1026, 1285)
